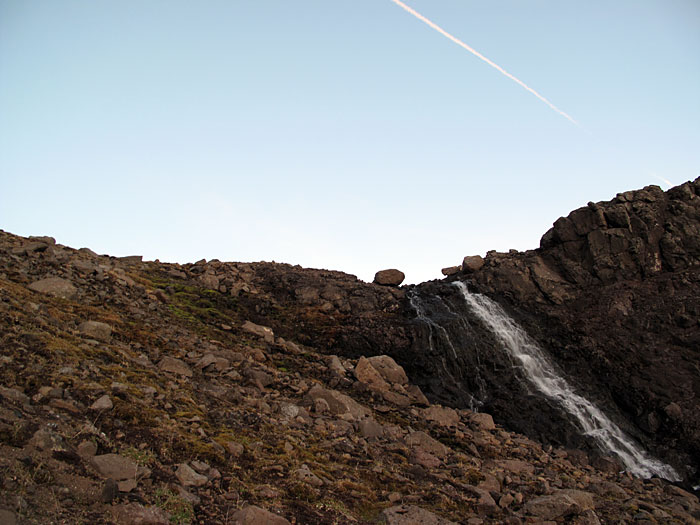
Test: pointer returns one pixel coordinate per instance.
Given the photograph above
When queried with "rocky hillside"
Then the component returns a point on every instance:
(222, 393)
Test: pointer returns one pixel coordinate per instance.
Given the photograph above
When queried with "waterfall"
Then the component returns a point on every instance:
(540, 371)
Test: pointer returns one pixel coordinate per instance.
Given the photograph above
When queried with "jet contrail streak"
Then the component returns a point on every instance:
(482, 57)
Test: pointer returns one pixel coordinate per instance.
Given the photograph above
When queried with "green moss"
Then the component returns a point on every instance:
(180, 510)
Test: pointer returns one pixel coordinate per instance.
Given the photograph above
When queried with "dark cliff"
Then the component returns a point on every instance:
(613, 294)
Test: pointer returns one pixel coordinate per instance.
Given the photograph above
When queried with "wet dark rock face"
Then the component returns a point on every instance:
(612, 294)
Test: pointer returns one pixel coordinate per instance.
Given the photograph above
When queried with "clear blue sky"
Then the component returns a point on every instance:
(341, 134)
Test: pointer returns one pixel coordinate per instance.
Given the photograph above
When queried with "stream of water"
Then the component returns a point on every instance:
(539, 370)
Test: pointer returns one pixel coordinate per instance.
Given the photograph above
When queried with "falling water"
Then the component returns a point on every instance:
(435, 330)
(543, 375)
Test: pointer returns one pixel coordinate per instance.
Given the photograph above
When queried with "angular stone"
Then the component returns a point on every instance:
(233, 448)
(389, 369)
(96, 330)
(483, 421)
(252, 515)
(103, 403)
(552, 507)
(412, 515)
(422, 457)
(516, 466)
(261, 331)
(370, 429)
(56, 287)
(338, 404)
(110, 491)
(443, 416)
(14, 395)
(451, 270)
(582, 498)
(367, 374)
(305, 475)
(189, 478)
(136, 514)
(175, 366)
(391, 277)
(115, 466)
(335, 365)
(427, 443)
(219, 363)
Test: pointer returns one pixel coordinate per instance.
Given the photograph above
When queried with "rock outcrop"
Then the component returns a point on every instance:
(613, 293)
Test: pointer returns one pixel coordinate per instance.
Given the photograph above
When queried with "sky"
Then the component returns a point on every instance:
(338, 134)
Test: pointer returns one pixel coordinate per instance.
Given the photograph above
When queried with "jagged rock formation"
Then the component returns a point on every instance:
(614, 293)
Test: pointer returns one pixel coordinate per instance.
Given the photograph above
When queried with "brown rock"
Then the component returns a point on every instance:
(552, 507)
(367, 374)
(338, 404)
(68, 406)
(482, 421)
(412, 515)
(261, 331)
(135, 514)
(87, 449)
(422, 457)
(103, 403)
(451, 270)
(252, 515)
(305, 475)
(110, 491)
(235, 449)
(443, 416)
(55, 286)
(389, 277)
(217, 363)
(188, 477)
(96, 330)
(14, 395)
(115, 466)
(427, 443)
(472, 263)
(582, 498)
(389, 369)
(175, 366)
(516, 466)
(370, 429)
(7, 517)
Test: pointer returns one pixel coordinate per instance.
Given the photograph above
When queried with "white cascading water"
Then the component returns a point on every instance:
(543, 375)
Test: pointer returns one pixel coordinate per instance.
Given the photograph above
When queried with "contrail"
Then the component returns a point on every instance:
(482, 57)
(665, 181)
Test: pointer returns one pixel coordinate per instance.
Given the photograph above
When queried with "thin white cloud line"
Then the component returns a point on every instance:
(482, 57)
(665, 181)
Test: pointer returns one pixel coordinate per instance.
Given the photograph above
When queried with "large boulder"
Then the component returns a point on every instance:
(472, 263)
(391, 277)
